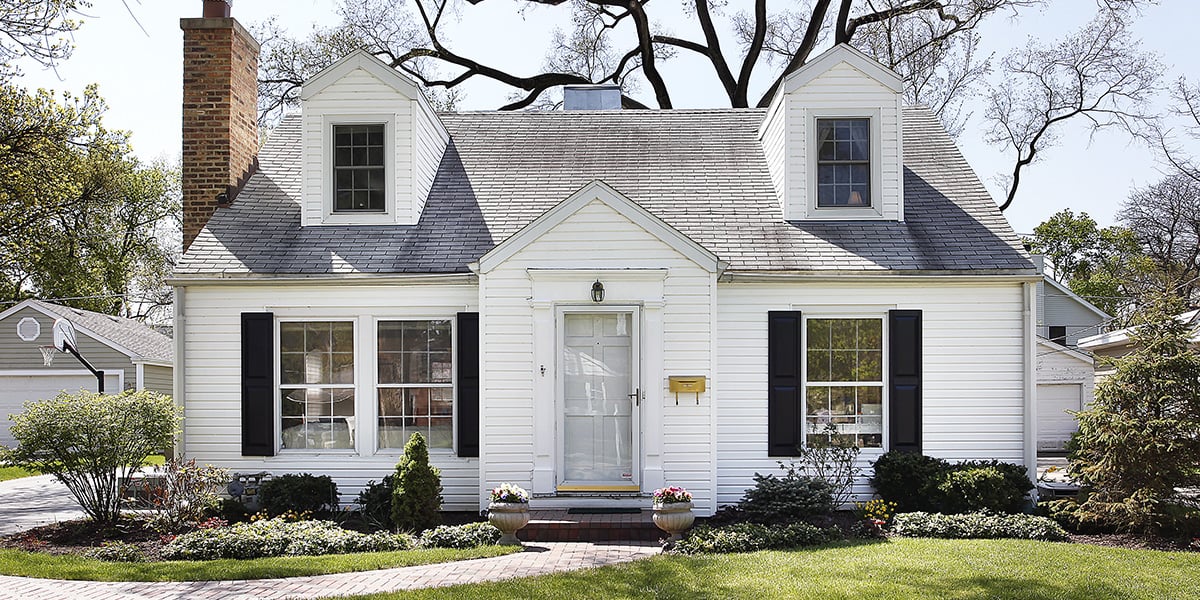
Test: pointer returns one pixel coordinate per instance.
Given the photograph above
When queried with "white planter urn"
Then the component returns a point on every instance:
(673, 518)
(508, 517)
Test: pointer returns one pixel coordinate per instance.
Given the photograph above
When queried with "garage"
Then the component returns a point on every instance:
(1055, 425)
(16, 388)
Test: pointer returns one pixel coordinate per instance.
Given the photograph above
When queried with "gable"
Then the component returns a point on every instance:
(597, 225)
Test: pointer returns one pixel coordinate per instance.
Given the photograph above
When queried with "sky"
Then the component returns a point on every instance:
(137, 64)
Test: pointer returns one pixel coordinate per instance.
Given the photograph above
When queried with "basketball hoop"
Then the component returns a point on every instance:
(47, 354)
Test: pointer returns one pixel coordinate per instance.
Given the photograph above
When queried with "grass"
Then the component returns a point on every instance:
(900, 569)
(34, 564)
(7, 473)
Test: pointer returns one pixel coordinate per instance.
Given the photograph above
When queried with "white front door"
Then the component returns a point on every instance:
(599, 405)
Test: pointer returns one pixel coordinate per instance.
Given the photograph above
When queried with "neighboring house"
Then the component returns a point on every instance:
(132, 356)
(590, 304)
(1118, 343)
(1066, 376)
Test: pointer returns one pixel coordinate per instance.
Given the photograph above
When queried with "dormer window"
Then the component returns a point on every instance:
(843, 163)
(359, 174)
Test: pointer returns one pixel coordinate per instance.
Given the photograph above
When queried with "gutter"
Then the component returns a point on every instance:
(1014, 276)
(1029, 339)
(179, 380)
(324, 279)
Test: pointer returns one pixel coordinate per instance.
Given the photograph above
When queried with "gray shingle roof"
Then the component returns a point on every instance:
(143, 341)
(701, 171)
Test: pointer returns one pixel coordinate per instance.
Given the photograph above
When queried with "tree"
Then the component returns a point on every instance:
(1140, 439)
(38, 30)
(417, 495)
(93, 443)
(80, 216)
(619, 41)
(1097, 75)
(1104, 265)
(1165, 218)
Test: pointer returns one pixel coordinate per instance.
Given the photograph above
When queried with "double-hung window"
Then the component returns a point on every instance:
(359, 174)
(316, 384)
(843, 163)
(844, 380)
(415, 382)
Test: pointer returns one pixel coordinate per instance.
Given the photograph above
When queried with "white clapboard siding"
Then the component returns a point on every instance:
(596, 237)
(415, 148)
(973, 368)
(840, 91)
(212, 342)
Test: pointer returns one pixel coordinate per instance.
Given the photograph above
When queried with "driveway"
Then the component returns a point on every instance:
(31, 501)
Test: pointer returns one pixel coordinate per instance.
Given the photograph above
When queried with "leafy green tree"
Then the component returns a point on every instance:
(1140, 439)
(80, 216)
(93, 443)
(1105, 265)
(417, 492)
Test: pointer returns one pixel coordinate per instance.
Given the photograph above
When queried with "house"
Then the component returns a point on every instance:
(1119, 342)
(131, 355)
(1066, 376)
(588, 303)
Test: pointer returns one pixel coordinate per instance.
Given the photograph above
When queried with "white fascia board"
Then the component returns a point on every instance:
(17, 308)
(1077, 298)
(153, 362)
(598, 190)
(841, 53)
(1061, 349)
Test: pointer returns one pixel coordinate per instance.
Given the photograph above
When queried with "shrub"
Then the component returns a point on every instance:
(182, 494)
(983, 524)
(470, 535)
(277, 537)
(922, 483)
(905, 477)
(831, 460)
(786, 499)
(93, 443)
(299, 493)
(116, 552)
(750, 537)
(1138, 440)
(977, 488)
(875, 510)
(375, 503)
(417, 496)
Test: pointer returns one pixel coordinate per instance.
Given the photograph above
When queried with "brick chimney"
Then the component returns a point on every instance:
(220, 96)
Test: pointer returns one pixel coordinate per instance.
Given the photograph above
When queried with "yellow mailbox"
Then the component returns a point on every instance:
(688, 384)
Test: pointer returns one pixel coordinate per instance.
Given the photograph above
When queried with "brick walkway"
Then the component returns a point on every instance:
(539, 558)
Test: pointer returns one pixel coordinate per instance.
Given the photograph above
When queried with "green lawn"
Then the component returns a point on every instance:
(900, 570)
(27, 564)
(7, 473)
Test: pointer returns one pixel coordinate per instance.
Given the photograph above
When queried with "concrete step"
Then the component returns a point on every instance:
(560, 525)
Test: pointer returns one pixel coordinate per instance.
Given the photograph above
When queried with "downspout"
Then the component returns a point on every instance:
(178, 379)
(1030, 375)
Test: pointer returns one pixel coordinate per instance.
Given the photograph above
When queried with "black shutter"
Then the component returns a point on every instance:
(785, 384)
(258, 384)
(904, 367)
(468, 383)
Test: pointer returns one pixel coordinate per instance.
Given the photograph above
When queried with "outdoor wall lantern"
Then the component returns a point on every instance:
(597, 291)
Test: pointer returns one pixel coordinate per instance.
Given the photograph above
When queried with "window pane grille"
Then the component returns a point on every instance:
(316, 384)
(359, 174)
(416, 382)
(843, 163)
(844, 381)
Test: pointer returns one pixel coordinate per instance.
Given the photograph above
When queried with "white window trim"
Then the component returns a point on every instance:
(276, 351)
(875, 210)
(331, 217)
(374, 391)
(37, 329)
(849, 312)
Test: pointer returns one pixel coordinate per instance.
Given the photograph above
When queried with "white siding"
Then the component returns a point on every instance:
(1057, 368)
(212, 341)
(973, 368)
(842, 91)
(599, 238)
(774, 143)
(1063, 310)
(416, 146)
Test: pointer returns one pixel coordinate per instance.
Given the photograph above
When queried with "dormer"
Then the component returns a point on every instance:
(372, 144)
(832, 139)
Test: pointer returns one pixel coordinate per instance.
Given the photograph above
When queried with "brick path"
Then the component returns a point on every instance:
(539, 558)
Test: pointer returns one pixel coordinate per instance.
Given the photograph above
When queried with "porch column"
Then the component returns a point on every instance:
(544, 376)
(653, 383)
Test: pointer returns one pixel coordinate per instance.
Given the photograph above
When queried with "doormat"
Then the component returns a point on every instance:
(604, 511)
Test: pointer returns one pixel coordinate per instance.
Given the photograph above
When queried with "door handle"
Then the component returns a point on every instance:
(636, 396)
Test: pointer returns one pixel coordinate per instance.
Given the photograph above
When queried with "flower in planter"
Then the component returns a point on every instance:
(508, 492)
(672, 495)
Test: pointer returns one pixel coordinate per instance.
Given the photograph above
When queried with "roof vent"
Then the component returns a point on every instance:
(600, 96)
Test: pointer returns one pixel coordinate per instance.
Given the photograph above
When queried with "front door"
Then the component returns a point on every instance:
(598, 420)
